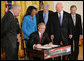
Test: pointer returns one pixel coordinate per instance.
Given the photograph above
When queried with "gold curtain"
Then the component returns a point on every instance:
(2, 8)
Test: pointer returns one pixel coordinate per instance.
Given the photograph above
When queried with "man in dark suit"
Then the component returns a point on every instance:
(11, 32)
(77, 32)
(44, 16)
(61, 28)
(39, 37)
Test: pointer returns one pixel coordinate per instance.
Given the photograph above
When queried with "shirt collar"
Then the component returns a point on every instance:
(46, 13)
(39, 33)
(72, 15)
(11, 12)
(61, 12)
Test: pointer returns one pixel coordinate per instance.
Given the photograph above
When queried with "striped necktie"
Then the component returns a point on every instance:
(74, 19)
(40, 38)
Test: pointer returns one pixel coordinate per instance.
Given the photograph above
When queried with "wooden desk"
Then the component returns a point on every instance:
(43, 53)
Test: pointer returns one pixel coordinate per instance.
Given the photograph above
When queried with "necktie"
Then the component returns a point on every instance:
(45, 19)
(40, 38)
(74, 19)
(60, 19)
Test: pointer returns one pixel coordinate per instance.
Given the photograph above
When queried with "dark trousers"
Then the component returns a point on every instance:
(71, 55)
(11, 53)
(74, 55)
(57, 42)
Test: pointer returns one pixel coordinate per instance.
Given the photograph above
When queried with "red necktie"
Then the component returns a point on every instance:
(40, 38)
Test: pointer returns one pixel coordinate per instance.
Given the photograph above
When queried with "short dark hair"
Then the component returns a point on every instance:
(73, 7)
(29, 10)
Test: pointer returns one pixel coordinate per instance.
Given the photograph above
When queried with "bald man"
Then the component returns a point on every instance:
(61, 28)
(10, 32)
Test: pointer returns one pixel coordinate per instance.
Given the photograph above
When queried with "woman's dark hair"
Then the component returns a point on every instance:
(29, 10)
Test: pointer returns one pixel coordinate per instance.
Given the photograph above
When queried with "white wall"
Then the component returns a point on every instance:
(67, 4)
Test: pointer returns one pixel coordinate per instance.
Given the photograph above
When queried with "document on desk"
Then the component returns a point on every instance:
(44, 47)
(47, 47)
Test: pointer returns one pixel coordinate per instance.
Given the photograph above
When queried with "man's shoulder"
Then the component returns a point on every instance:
(8, 16)
(50, 11)
(41, 11)
(78, 15)
(35, 33)
(54, 14)
(46, 34)
(66, 12)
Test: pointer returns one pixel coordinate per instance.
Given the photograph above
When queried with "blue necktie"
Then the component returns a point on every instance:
(60, 19)
(45, 19)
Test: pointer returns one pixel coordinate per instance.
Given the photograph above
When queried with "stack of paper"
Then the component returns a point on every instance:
(47, 47)
(44, 47)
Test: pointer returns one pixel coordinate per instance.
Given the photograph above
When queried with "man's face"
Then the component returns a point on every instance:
(17, 11)
(41, 29)
(73, 10)
(59, 7)
(45, 9)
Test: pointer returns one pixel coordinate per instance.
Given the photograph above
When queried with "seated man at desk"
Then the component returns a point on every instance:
(39, 37)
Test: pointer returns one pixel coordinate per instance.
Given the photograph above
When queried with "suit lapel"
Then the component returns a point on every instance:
(48, 17)
(42, 17)
(76, 19)
(42, 38)
(71, 18)
(64, 16)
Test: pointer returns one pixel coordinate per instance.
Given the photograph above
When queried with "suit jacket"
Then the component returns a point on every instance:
(37, 19)
(35, 39)
(40, 13)
(77, 29)
(10, 29)
(61, 32)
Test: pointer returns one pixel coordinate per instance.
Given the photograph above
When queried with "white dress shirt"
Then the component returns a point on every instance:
(11, 12)
(39, 34)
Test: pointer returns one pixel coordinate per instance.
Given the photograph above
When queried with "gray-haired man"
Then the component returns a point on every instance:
(44, 16)
(11, 32)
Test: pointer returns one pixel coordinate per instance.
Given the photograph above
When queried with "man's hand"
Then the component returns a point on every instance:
(70, 36)
(37, 45)
(50, 44)
(52, 37)
(80, 37)
(18, 37)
